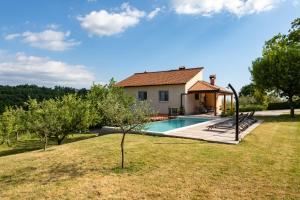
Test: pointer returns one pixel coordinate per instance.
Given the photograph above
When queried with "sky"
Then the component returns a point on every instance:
(80, 42)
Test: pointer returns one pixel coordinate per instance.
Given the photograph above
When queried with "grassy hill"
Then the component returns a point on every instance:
(266, 165)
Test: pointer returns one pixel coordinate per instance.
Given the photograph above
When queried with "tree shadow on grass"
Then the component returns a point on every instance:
(281, 118)
(58, 172)
(129, 168)
(31, 144)
(54, 173)
(22, 146)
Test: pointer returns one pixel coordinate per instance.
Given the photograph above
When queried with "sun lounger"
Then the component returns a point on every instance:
(247, 122)
(227, 123)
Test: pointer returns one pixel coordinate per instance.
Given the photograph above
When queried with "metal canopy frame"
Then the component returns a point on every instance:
(236, 97)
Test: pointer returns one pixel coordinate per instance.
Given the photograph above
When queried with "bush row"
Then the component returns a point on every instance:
(252, 107)
(282, 105)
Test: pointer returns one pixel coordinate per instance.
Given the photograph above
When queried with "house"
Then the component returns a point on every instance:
(181, 90)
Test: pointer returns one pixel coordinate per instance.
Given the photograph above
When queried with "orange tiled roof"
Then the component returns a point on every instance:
(202, 86)
(171, 77)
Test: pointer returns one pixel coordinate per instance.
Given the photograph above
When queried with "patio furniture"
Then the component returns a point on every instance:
(247, 122)
(201, 109)
(230, 123)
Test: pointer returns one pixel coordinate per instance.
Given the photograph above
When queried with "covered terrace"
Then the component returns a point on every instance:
(209, 97)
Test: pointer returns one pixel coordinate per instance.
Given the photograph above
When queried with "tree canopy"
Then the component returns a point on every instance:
(17, 95)
(279, 67)
(247, 90)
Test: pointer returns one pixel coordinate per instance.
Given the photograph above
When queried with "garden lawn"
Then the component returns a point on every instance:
(29, 142)
(266, 165)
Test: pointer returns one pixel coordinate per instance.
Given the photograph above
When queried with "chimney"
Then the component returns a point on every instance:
(212, 79)
(181, 67)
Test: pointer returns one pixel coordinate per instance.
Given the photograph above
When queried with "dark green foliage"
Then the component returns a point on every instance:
(228, 113)
(282, 105)
(252, 107)
(279, 67)
(247, 90)
(17, 95)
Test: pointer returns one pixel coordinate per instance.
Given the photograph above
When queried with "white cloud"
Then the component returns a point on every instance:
(22, 69)
(12, 36)
(53, 26)
(105, 23)
(153, 13)
(210, 7)
(49, 39)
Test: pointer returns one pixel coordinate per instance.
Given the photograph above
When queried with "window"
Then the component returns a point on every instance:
(163, 95)
(197, 96)
(142, 95)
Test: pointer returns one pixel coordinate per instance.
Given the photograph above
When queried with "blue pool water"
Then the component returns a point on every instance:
(171, 124)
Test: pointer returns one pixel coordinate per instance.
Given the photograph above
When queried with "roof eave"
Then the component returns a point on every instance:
(126, 86)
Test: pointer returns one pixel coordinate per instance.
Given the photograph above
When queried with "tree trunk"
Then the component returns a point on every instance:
(292, 112)
(59, 140)
(45, 142)
(122, 149)
(17, 136)
(8, 142)
(99, 133)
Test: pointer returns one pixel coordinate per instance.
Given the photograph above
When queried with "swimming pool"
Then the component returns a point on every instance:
(167, 125)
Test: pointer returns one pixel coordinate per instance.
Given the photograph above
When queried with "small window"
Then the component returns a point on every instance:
(163, 95)
(142, 95)
(197, 96)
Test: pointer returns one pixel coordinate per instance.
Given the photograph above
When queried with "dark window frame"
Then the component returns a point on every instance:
(142, 95)
(197, 96)
(163, 96)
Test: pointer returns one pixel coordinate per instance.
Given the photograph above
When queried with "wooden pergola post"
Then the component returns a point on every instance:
(231, 103)
(224, 103)
(215, 104)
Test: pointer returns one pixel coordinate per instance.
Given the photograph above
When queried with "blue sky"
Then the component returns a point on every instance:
(76, 42)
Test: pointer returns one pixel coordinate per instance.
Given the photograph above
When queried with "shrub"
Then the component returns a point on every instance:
(252, 107)
(228, 113)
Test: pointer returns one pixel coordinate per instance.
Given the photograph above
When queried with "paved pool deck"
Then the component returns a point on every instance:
(198, 132)
(201, 132)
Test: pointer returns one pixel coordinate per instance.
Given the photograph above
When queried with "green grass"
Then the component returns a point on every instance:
(29, 143)
(266, 165)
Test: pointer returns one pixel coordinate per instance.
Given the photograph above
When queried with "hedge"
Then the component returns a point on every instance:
(282, 105)
(252, 107)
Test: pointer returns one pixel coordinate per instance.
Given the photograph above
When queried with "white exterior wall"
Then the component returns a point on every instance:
(190, 103)
(175, 92)
(220, 99)
(153, 96)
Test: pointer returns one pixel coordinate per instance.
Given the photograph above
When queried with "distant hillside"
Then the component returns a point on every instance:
(17, 95)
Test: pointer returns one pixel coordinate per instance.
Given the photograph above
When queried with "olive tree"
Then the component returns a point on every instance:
(95, 98)
(73, 115)
(126, 113)
(42, 119)
(20, 121)
(7, 124)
